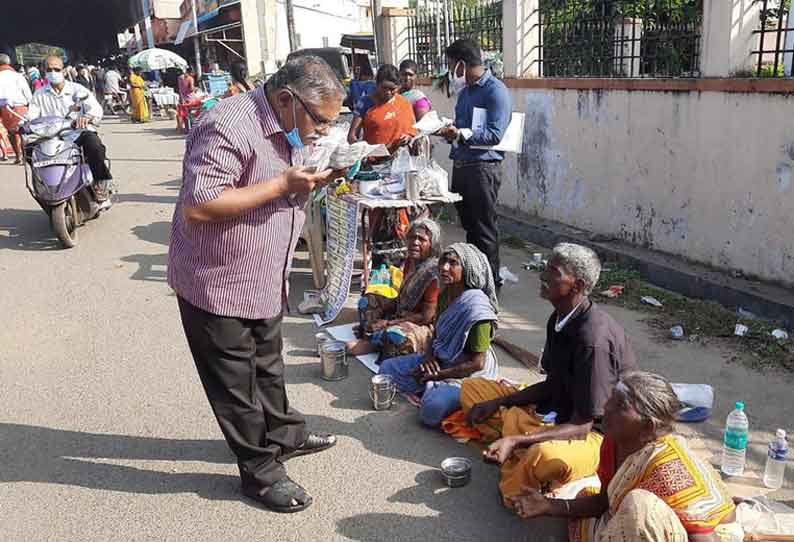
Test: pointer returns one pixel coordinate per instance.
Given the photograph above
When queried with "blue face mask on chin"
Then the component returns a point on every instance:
(294, 135)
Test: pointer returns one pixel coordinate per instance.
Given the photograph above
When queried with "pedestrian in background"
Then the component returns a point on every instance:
(237, 220)
(15, 96)
(482, 114)
(140, 108)
(239, 82)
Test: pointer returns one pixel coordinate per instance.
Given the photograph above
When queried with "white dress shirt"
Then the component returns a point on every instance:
(14, 89)
(47, 102)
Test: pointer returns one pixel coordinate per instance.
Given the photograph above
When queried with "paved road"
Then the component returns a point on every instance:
(105, 432)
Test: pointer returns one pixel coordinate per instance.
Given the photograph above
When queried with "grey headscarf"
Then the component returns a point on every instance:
(476, 270)
(433, 229)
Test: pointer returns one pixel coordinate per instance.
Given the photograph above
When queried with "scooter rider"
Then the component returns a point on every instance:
(57, 99)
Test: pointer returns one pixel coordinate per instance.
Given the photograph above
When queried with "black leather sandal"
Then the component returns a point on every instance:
(284, 497)
(314, 443)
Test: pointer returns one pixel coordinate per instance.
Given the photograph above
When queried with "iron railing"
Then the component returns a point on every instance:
(775, 40)
(438, 23)
(620, 38)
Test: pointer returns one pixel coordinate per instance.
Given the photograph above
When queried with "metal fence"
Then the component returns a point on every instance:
(437, 24)
(775, 39)
(620, 38)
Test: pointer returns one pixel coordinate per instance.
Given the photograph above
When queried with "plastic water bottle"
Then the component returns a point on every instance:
(734, 447)
(776, 461)
(376, 276)
(384, 277)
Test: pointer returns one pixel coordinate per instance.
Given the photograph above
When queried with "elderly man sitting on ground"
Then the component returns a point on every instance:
(586, 353)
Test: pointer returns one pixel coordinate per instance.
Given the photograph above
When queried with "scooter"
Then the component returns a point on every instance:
(57, 175)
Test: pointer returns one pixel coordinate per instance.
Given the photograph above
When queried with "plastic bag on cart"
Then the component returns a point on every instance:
(433, 180)
(403, 163)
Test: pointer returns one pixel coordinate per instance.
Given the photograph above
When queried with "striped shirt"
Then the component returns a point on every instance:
(236, 267)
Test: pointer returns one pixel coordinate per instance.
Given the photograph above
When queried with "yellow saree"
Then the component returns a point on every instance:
(661, 492)
(140, 109)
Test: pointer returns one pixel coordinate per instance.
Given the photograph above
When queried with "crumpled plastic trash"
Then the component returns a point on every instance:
(780, 334)
(651, 301)
(740, 330)
(613, 291)
(761, 515)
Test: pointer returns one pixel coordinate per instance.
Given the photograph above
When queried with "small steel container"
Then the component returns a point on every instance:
(319, 339)
(412, 186)
(333, 360)
(382, 392)
(456, 471)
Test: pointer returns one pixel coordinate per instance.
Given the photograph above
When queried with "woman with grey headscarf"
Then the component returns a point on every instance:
(404, 325)
(466, 321)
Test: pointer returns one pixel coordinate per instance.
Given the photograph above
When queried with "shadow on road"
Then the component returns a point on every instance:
(138, 160)
(460, 517)
(24, 229)
(156, 232)
(151, 267)
(55, 456)
(144, 198)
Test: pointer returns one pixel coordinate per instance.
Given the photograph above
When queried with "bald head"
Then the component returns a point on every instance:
(54, 61)
(5, 60)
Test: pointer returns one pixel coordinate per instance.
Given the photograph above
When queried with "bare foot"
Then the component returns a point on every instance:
(360, 347)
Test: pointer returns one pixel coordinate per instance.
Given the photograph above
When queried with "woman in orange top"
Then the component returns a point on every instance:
(386, 117)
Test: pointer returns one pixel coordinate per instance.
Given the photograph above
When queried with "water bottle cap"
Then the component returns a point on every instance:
(739, 405)
(781, 433)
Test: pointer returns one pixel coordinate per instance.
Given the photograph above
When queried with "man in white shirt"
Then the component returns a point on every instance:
(112, 81)
(14, 93)
(58, 99)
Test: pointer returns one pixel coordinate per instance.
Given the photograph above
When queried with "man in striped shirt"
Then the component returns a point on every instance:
(234, 232)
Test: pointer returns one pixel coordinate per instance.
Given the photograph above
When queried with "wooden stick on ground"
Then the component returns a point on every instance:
(524, 356)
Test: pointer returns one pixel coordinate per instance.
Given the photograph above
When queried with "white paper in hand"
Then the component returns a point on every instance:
(431, 123)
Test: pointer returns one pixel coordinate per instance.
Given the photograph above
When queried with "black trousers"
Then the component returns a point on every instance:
(240, 365)
(478, 183)
(95, 155)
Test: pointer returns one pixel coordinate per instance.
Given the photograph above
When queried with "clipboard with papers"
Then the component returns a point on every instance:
(513, 139)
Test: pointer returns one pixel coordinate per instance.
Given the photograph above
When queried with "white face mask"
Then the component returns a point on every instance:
(55, 78)
(457, 83)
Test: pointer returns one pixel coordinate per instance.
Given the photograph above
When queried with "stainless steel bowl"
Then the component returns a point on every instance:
(456, 471)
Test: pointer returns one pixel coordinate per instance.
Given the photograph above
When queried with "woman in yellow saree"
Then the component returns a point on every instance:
(140, 109)
(653, 488)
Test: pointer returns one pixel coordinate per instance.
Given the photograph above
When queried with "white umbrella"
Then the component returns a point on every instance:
(157, 59)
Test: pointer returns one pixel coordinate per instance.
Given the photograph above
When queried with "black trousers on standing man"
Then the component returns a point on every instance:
(241, 368)
(478, 183)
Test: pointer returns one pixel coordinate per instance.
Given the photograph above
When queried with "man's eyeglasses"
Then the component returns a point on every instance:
(50, 69)
(316, 119)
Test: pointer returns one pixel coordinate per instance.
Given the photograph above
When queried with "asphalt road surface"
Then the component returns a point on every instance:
(105, 433)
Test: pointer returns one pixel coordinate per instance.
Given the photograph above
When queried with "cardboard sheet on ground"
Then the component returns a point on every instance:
(345, 333)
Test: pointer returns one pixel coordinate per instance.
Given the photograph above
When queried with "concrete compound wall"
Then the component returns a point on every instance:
(703, 175)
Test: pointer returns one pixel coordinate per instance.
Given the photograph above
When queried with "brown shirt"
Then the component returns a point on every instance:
(584, 361)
